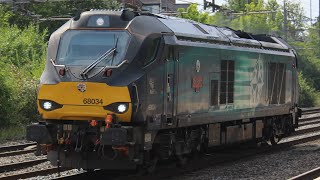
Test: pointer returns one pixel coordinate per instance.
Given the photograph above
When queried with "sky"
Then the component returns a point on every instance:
(305, 4)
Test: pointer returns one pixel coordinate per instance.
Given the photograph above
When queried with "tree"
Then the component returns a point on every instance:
(295, 23)
(25, 14)
(4, 16)
(193, 14)
(239, 5)
(309, 52)
(261, 17)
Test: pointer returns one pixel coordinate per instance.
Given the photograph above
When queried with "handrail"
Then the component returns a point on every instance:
(117, 66)
(56, 65)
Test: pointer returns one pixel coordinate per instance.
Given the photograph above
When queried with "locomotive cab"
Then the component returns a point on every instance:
(97, 57)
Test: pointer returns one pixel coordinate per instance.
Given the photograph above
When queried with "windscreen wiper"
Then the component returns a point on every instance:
(115, 46)
(96, 62)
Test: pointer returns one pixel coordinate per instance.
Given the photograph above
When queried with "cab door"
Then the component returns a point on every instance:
(170, 84)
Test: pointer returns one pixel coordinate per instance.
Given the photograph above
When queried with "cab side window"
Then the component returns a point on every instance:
(151, 50)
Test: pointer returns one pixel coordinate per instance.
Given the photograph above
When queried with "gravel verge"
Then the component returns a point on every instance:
(19, 158)
(280, 165)
(15, 142)
(56, 175)
(40, 166)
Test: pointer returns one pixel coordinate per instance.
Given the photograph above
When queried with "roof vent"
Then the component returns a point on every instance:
(105, 9)
(200, 28)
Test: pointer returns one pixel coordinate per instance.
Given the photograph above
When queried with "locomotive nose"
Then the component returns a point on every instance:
(83, 101)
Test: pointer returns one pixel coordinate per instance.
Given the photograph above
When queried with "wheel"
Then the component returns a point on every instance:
(264, 144)
(152, 164)
(149, 165)
(38, 150)
(275, 139)
(275, 136)
(90, 170)
(181, 160)
(198, 151)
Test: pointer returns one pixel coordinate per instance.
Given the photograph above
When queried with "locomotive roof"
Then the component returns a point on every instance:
(190, 30)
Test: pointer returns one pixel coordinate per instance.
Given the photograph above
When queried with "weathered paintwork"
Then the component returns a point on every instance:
(251, 85)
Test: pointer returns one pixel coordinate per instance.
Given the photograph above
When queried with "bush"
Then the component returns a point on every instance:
(309, 97)
(5, 96)
(22, 48)
(22, 57)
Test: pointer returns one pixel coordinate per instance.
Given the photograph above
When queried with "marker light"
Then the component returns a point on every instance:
(47, 105)
(100, 21)
(108, 73)
(62, 72)
(93, 123)
(109, 119)
(122, 108)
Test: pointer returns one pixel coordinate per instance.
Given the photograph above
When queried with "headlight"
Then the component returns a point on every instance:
(122, 108)
(118, 107)
(49, 105)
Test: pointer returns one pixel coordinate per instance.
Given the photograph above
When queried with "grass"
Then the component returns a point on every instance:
(12, 133)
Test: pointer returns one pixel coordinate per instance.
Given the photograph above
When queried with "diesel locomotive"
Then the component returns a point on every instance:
(122, 90)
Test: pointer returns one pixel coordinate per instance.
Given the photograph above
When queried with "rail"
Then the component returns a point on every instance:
(311, 110)
(16, 147)
(312, 174)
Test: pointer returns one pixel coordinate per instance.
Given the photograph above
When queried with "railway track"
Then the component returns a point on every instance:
(312, 110)
(16, 147)
(15, 153)
(307, 125)
(225, 158)
(20, 165)
(30, 174)
(312, 174)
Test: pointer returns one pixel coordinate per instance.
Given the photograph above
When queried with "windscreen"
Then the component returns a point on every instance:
(82, 47)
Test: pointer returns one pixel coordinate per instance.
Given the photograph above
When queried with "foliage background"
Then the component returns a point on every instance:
(23, 41)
